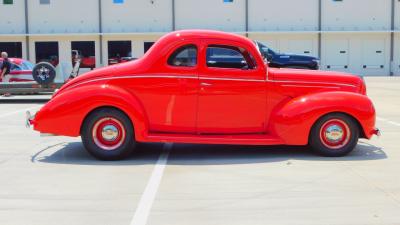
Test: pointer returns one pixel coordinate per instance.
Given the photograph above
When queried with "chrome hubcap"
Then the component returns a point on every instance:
(334, 133)
(109, 133)
(44, 73)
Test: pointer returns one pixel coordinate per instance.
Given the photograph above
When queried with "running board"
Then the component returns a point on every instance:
(243, 139)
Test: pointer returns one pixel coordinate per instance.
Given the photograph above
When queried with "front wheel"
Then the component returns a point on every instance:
(334, 135)
(108, 134)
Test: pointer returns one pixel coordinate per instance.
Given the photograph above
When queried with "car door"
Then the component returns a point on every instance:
(232, 91)
(169, 91)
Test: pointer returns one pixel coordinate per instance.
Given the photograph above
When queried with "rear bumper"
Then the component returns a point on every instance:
(30, 121)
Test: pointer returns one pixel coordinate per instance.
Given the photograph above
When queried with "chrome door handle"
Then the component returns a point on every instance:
(205, 84)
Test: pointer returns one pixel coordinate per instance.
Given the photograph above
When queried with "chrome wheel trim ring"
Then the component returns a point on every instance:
(108, 144)
(335, 134)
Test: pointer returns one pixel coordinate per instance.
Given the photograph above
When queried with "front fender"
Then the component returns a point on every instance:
(293, 120)
(64, 114)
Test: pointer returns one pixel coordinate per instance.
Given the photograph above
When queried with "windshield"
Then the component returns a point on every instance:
(26, 65)
(264, 49)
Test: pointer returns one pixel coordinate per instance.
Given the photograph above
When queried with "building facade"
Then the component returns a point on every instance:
(357, 36)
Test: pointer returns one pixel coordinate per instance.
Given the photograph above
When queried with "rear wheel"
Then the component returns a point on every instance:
(108, 134)
(334, 135)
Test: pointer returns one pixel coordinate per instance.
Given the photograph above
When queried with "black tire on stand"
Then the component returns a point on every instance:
(108, 134)
(334, 135)
(44, 73)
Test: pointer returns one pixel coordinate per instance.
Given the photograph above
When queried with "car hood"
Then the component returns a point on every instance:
(298, 57)
(316, 80)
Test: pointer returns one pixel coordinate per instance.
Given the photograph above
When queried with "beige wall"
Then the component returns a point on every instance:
(396, 61)
(397, 15)
(63, 16)
(137, 16)
(12, 18)
(283, 15)
(371, 50)
(285, 25)
(356, 15)
(210, 14)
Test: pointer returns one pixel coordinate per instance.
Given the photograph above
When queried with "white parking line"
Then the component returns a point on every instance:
(388, 121)
(18, 111)
(149, 194)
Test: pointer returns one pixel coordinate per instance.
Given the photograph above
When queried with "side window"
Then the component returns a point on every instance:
(220, 56)
(15, 67)
(185, 56)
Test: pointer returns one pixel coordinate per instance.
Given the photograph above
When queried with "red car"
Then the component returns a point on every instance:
(21, 70)
(185, 89)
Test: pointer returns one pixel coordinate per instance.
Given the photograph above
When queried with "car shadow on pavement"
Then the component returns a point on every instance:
(191, 154)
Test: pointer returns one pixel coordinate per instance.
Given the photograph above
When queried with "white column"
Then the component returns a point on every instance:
(137, 48)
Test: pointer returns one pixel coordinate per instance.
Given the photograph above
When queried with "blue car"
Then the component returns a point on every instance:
(288, 60)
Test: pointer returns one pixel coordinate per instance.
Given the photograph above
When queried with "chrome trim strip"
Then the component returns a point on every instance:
(309, 86)
(212, 78)
(131, 77)
(166, 76)
(311, 82)
(231, 79)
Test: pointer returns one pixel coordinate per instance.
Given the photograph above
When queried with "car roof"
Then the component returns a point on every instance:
(206, 34)
(17, 61)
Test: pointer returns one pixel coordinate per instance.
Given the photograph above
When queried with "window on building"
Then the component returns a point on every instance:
(84, 52)
(184, 56)
(147, 46)
(14, 49)
(221, 56)
(8, 2)
(119, 51)
(118, 1)
(44, 2)
(47, 51)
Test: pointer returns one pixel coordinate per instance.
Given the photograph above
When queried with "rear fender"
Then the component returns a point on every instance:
(292, 121)
(64, 114)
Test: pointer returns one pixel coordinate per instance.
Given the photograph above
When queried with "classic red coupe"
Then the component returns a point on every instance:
(190, 88)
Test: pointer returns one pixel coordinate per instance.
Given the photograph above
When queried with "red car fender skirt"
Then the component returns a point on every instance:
(64, 114)
(293, 121)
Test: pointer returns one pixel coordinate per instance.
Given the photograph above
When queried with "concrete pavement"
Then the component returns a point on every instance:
(52, 180)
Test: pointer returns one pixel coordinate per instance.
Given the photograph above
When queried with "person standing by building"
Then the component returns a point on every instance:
(5, 68)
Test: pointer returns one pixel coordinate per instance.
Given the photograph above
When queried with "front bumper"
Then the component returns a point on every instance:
(376, 132)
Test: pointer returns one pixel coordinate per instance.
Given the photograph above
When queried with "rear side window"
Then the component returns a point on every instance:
(220, 56)
(185, 56)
